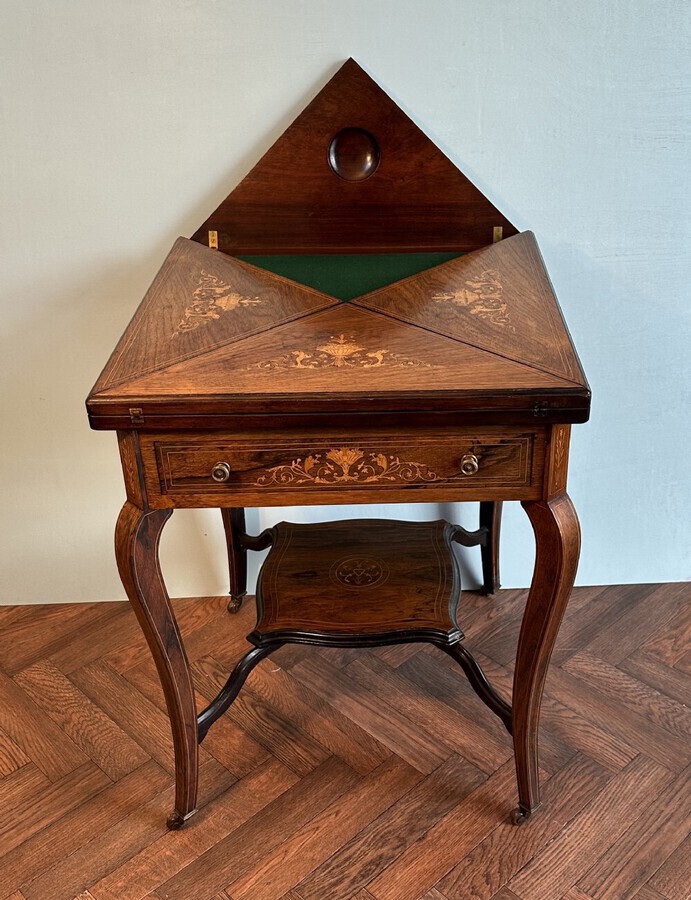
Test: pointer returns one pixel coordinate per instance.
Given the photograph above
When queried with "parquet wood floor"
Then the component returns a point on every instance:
(348, 775)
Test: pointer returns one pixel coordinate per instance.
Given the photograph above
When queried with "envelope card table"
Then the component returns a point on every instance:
(355, 324)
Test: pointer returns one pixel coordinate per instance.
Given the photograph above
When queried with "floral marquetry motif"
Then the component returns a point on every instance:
(482, 296)
(347, 465)
(340, 352)
(360, 571)
(211, 298)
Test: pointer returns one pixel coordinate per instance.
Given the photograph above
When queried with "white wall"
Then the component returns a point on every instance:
(125, 122)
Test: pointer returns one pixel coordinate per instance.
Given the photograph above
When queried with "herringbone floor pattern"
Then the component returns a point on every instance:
(341, 774)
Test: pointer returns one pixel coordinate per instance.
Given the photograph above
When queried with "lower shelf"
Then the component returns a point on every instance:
(359, 583)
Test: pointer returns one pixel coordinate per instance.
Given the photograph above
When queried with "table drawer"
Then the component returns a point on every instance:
(344, 465)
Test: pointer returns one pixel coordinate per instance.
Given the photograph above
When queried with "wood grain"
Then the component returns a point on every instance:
(358, 861)
(388, 725)
(558, 867)
(669, 750)
(613, 825)
(90, 729)
(600, 610)
(612, 682)
(450, 687)
(29, 638)
(418, 465)
(12, 757)
(76, 827)
(43, 742)
(47, 805)
(133, 712)
(635, 857)
(458, 732)
(670, 643)
(664, 679)
(439, 209)
(500, 856)
(157, 862)
(557, 536)
(431, 857)
(296, 702)
(19, 787)
(324, 835)
(122, 840)
(286, 740)
(673, 878)
(641, 619)
(235, 854)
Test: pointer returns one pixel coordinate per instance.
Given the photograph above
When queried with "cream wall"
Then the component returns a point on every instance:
(125, 122)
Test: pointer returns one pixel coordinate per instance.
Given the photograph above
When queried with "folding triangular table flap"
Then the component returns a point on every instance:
(198, 301)
(218, 336)
(498, 299)
(342, 350)
(353, 174)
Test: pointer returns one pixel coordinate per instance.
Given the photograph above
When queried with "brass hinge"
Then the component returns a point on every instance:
(497, 233)
(213, 240)
(136, 416)
(540, 409)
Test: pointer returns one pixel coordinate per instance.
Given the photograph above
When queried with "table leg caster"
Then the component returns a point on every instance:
(176, 819)
(520, 815)
(235, 603)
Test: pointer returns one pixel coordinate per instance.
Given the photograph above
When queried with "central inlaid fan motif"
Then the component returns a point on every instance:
(340, 352)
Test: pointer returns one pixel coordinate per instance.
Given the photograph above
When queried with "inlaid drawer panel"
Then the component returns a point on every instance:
(343, 465)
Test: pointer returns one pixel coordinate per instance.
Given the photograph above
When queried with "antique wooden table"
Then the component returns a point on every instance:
(235, 386)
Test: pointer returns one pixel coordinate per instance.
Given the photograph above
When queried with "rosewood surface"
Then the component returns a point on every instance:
(480, 338)
(415, 199)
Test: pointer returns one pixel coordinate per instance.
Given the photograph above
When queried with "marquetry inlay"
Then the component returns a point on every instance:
(211, 299)
(340, 352)
(481, 296)
(347, 465)
(359, 571)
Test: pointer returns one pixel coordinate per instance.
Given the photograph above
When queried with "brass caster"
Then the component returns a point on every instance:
(235, 603)
(176, 820)
(520, 815)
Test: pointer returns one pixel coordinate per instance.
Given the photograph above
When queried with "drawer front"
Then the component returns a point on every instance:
(339, 466)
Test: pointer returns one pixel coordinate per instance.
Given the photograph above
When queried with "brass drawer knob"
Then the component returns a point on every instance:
(469, 464)
(221, 472)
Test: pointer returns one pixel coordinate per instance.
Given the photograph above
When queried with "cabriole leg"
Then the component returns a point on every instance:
(136, 546)
(234, 525)
(557, 545)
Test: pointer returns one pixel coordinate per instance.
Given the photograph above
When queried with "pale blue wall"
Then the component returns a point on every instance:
(124, 123)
